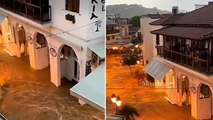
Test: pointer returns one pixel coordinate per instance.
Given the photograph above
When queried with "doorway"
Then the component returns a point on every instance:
(185, 90)
(69, 66)
(23, 45)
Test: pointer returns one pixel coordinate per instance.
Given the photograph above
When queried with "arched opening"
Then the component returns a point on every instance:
(22, 42)
(5, 35)
(169, 83)
(69, 66)
(41, 51)
(205, 91)
(204, 102)
(184, 81)
(40, 41)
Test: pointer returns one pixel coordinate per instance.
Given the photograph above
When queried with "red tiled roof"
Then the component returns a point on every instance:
(167, 20)
(184, 32)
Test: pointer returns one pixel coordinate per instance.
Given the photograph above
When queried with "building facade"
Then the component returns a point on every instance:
(184, 60)
(66, 36)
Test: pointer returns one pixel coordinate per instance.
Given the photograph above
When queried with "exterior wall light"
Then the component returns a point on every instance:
(117, 101)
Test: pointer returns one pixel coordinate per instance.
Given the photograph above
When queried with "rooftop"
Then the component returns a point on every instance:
(184, 32)
(168, 20)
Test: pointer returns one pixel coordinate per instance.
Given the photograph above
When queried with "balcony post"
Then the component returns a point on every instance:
(157, 44)
(208, 57)
(193, 51)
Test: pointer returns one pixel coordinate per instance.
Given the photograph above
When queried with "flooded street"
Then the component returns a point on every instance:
(149, 101)
(26, 94)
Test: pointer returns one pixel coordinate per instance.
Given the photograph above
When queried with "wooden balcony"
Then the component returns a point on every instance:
(197, 63)
(39, 11)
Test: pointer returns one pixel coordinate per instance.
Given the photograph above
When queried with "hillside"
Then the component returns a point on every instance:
(129, 11)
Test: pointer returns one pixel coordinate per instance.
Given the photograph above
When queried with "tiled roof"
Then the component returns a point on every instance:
(184, 32)
(167, 20)
(156, 16)
(199, 16)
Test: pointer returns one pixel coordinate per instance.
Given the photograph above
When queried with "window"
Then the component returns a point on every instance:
(113, 37)
(72, 5)
(108, 37)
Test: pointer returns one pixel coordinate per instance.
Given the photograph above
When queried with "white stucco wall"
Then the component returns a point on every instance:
(195, 79)
(87, 27)
(149, 40)
(60, 32)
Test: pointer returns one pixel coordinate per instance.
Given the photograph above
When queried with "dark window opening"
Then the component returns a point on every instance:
(75, 69)
(41, 41)
(72, 5)
(205, 91)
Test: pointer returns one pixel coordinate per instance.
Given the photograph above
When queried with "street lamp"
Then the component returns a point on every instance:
(117, 101)
(113, 98)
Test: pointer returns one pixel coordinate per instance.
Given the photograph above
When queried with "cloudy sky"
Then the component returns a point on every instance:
(187, 5)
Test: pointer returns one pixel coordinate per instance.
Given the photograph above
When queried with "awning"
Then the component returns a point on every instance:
(184, 32)
(98, 48)
(91, 89)
(156, 69)
(2, 17)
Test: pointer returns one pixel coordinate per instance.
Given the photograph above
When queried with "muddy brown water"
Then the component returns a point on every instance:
(27, 94)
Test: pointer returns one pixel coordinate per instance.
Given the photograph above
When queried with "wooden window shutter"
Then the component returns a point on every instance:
(76, 6)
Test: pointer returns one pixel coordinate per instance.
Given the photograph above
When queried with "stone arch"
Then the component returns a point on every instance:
(68, 56)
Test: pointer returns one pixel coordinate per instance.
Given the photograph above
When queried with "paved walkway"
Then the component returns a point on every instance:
(29, 95)
(149, 101)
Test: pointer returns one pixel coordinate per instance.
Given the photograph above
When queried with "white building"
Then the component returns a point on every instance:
(184, 60)
(68, 36)
(148, 47)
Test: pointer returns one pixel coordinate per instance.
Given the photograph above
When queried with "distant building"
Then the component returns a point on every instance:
(184, 59)
(117, 32)
(148, 39)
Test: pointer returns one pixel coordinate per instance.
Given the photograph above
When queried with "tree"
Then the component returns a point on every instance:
(131, 57)
(135, 40)
(135, 21)
(128, 111)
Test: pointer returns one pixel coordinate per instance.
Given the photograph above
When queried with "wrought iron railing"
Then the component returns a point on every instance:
(37, 13)
(192, 62)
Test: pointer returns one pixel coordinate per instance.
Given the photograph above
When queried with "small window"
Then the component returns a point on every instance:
(72, 5)
(113, 37)
(108, 37)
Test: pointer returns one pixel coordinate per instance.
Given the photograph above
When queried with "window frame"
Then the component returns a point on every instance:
(72, 6)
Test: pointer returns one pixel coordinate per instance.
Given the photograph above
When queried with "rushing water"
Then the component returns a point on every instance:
(26, 94)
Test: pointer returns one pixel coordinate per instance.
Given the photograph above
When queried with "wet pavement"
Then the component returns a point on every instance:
(26, 94)
(149, 101)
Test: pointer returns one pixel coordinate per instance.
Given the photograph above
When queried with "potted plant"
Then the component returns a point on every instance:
(128, 111)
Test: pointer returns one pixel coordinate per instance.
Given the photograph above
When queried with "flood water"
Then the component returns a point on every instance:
(27, 94)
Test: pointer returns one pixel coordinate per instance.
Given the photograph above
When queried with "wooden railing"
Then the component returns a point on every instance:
(37, 13)
(192, 62)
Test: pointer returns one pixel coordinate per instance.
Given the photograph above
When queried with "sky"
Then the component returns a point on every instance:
(187, 5)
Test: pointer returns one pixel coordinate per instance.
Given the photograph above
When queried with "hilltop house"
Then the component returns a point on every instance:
(68, 36)
(184, 59)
